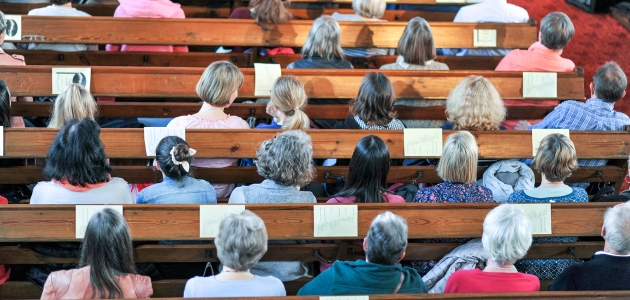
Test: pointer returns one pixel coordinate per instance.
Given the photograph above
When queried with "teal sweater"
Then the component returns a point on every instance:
(363, 278)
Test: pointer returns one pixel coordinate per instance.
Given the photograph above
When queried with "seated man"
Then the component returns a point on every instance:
(608, 269)
(60, 8)
(379, 273)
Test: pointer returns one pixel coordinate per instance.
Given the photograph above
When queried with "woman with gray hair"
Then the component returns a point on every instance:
(507, 235)
(286, 164)
(241, 243)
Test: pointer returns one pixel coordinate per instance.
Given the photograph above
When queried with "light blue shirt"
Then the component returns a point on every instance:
(210, 287)
(169, 191)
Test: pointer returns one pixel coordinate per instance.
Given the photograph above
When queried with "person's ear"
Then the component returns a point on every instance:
(540, 36)
(592, 86)
(624, 94)
(365, 244)
(402, 256)
(603, 231)
(271, 109)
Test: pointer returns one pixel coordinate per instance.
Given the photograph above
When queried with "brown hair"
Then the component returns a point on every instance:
(556, 157)
(416, 45)
(270, 11)
(375, 102)
(218, 82)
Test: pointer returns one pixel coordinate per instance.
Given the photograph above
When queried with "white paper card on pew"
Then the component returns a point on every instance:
(336, 220)
(62, 77)
(485, 37)
(153, 136)
(539, 134)
(423, 142)
(210, 217)
(540, 216)
(85, 212)
(14, 27)
(344, 297)
(540, 85)
(265, 75)
(1, 140)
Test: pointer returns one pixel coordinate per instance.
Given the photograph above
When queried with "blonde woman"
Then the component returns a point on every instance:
(474, 104)
(322, 49)
(218, 88)
(74, 102)
(364, 11)
(287, 104)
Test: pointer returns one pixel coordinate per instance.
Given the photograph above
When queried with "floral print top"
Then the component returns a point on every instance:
(449, 192)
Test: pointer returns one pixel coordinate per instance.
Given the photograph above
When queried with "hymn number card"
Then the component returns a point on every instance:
(539, 134)
(540, 216)
(265, 75)
(14, 27)
(485, 37)
(210, 217)
(540, 85)
(425, 142)
(153, 136)
(62, 77)
(85, 212)
(336, 220)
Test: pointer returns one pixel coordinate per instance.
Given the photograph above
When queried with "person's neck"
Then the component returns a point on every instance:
(492, 266)
(212, 113)
(230, 274)
(607, 249)
(67, 5)
(546, 184)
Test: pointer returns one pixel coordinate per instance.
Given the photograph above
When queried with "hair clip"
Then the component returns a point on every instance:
(184, 164)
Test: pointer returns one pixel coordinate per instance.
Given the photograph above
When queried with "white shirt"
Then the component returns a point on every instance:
(116, 191)
(610, 254)
(60, 11)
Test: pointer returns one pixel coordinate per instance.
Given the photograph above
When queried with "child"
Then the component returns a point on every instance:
(286, 106)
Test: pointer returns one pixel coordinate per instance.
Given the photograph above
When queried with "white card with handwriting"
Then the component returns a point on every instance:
(540, 216)
(540, 85)
(336, 220)
(265, 75)
(210, 217)
(85, 212)
(62, 77)
(14, 27)
(539, 134)
(153, 136)
(423, 142)
(485, 37)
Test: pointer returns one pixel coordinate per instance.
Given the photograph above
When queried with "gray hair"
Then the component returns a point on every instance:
(3, 23)
(556, 30)
(387, 239)
(287, 159)
(507, 234)
(617, 225)
(242, 240)
(324, 39)
(369, 8)
(610, 82)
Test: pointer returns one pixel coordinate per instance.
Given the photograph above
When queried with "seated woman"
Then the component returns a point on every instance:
(555, 160)
(364, 11)
(286, 164)
(474, 104)
(5, 105)
(265, 12)
(60, 8)
(218, 88)
(373, 108)
(286, 105)
(106, 268)
(78, 171)
(507, 235)
(74, 102)
(174, 157)
(322, 49)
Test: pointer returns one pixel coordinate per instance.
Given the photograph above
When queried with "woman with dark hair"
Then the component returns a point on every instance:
(174, 156)
(107, 268)
(367, 175)
(78, 171)
(5, 105)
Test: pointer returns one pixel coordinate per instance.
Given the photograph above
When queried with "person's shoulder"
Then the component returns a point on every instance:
(533, 279)
(142, 285)
(392, 66)
(117, 181)
(516, 196)
(241, 13)
(238, 122)
(582, 195)
(393, 198)
(181, 121)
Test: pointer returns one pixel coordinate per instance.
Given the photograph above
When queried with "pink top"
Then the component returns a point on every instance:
(232, 122)
(537, 58)
(389, 198)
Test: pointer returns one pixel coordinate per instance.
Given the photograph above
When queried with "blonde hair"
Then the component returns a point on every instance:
(270, 11)
(474, 104)
(459, 158)
(324, 39)
(369, 8)
(556, 157)
(416, 44)
(73, 102)
(287, 94)
(218, 82)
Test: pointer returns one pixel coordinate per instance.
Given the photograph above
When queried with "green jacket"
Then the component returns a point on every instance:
(363, 278)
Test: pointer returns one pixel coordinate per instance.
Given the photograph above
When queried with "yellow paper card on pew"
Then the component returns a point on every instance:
(540, 216)
(62, 77)
(485, 37)
(540, 85)
(539, 134)
(85, 212)
(210, 217)
(265, 75)
(344, 297)
(14, 27)
(153, 136)
(423, 142)
(336, 220)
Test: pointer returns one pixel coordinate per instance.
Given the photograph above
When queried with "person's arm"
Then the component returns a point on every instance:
(237, 196)
(563, 282)
(320, 285)
(49, 289)
(505, 63)
(140, 199)
(551, 119)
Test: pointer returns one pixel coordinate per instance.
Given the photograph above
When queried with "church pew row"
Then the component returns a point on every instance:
(222, 32)
(143, 82)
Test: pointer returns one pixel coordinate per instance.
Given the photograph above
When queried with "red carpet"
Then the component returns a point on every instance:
(598, 38)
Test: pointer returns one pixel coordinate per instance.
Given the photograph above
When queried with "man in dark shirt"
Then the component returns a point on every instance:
(608, 269)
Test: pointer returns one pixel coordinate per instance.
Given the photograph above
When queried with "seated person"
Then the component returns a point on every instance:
(60, 8)
(322, 49)
(364, 11)
(474, 104)
(265, 12)
(106, 268)
(507, 235)
(379, 273)
(5, 105)
(241, 243)
(74, 102)
(608, 269)
(286, 105)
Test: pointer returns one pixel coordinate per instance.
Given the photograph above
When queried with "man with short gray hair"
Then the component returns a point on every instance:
(609, 269)
(379, 273)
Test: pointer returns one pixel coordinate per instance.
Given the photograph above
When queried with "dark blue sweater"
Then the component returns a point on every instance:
(602, 273)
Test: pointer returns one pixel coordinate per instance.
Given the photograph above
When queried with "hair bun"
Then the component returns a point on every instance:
(182, 152)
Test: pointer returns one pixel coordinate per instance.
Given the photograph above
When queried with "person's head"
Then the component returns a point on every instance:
(474, 104)
(416, 45)
(507, 234)
(287, 159)
(609, 83)
(174, 157)
(107, 249)
(386, 241)
(73, 102)
(219, 84)
(3, 27)
(5, 105)
(556, 158)
(369, 8)
(241, 241)
(270, 11)
(289, 98)
(323, 40)
(556, 30)
(60, 2)
(367, 174)
(77, 154)
(459, 158)
(375, 102)
(616, 229)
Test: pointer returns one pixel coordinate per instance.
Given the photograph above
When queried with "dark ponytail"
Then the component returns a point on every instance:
(181, 153)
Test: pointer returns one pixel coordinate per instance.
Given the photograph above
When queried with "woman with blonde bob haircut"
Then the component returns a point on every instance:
(322, 49)
(474, 104)
(458, 169)
(74, 102)
(286, 106)
(416, 48)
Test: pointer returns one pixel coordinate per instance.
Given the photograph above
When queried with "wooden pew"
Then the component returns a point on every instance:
(390, 15)
(107, 10)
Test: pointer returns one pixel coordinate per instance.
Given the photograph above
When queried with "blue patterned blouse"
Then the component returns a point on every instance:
(448, 192)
